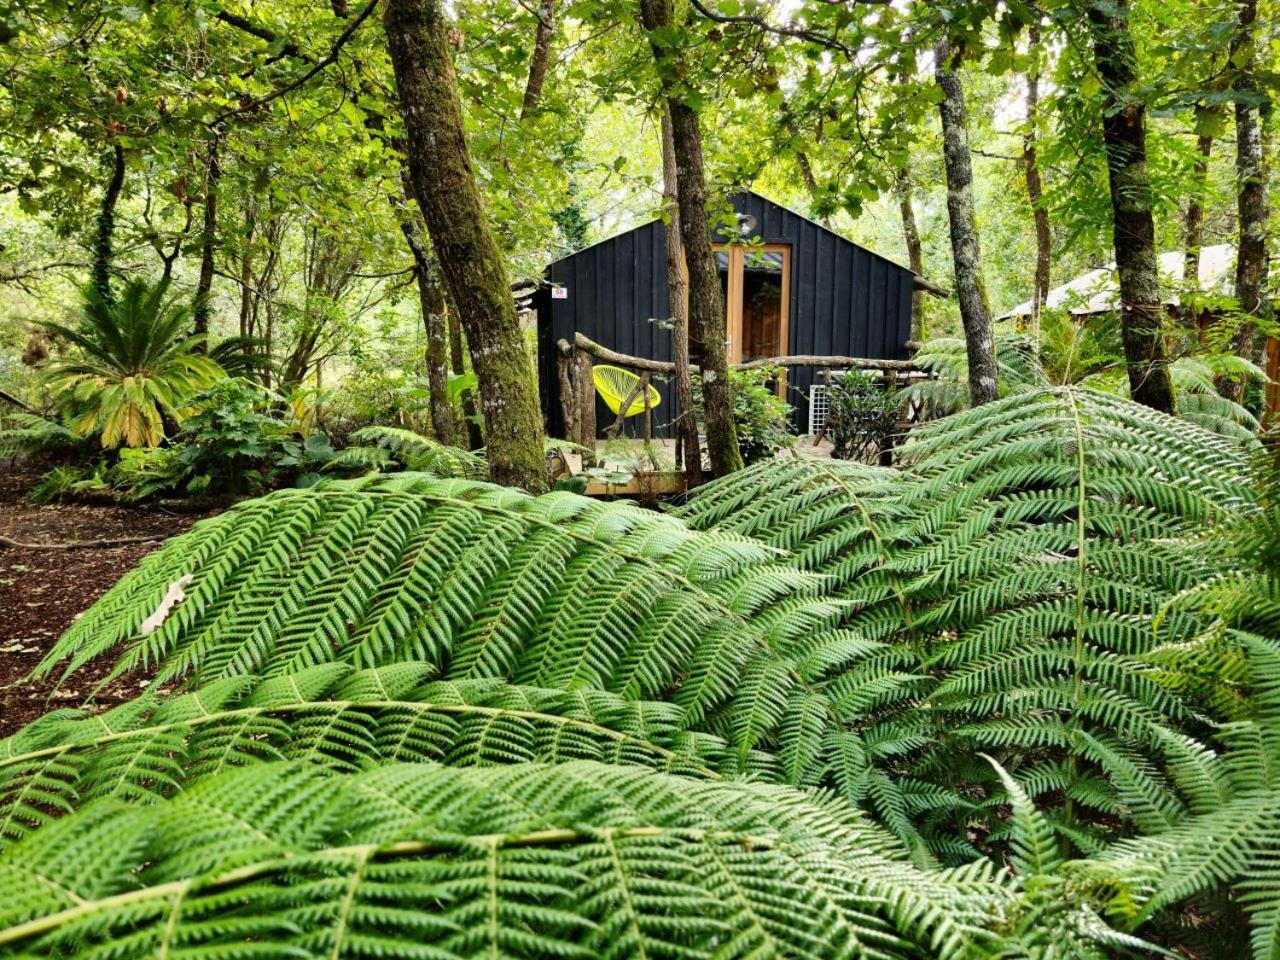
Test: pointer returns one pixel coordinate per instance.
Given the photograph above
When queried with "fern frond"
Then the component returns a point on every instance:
(578, 859)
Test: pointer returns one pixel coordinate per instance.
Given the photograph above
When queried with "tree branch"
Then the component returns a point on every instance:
(316, 68)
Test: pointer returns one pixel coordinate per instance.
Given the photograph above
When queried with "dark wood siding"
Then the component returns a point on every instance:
(845, 300)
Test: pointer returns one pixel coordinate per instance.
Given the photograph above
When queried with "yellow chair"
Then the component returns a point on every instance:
(614, 386)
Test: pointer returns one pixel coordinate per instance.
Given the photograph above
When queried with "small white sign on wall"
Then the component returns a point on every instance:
(559, 293)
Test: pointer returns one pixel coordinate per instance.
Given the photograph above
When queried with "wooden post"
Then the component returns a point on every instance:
(586, 407)
(641, 383)
(648, 413)
(568, 396)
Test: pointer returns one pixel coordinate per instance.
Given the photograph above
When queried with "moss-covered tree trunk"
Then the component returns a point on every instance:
(445, 186)
(435, 324)
(103, 252)
(208, 238)
(915, 250)
(1124, 132)
(677, 298)
(1251, 197)
(706, 302)
(1035, 187)
(966, 252)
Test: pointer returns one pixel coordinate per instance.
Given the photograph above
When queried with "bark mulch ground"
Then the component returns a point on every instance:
(43, 591)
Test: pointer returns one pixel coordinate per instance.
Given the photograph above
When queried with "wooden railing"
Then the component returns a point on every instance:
(576, 361)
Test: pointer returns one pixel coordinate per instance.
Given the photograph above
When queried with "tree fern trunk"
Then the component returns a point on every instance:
(445, 185)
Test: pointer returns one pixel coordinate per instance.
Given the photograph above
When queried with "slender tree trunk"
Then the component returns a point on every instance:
(1251, 199)
(1193, 224)
(434, 303)
(677, 298)
(445, 185)
(458, 364)
(1035, 189)
(706, 302)
(540, 59)
(966, 252)
(246, 268)
(102, 248)
(208, 238)
(915, 250)
(435, 320)
(1125, 135)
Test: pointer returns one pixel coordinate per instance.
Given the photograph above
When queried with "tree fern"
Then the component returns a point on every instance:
(336, 717)
(576, 859)
(1015, 565)
(422, 454)
(482, 582)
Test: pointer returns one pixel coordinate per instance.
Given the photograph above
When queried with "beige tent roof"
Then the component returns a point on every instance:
(1099, 292)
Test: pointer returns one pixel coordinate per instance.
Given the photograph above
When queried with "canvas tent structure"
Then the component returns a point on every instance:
(1098, 291)
(792, 287)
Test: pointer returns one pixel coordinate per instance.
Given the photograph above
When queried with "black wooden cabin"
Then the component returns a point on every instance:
(796, 288)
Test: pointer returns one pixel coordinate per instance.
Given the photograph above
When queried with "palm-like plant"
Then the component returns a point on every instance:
(134, 365)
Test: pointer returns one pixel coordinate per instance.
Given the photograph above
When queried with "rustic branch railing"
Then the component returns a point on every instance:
(587, 345)
(576, 361)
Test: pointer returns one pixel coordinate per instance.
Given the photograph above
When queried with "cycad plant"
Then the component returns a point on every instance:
(133, 363)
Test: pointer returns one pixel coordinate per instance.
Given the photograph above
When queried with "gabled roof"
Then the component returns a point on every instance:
(742, 193)
(1098, 291)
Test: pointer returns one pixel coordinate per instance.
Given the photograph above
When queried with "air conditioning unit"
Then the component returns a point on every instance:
(817, 408)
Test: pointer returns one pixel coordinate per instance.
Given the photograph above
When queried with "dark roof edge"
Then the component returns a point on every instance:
(754, 193)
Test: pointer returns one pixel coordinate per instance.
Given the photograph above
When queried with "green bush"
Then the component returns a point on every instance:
(862, 416)
(762, 417)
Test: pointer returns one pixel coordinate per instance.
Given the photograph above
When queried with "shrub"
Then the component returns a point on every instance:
(862, 416)
(763, 418)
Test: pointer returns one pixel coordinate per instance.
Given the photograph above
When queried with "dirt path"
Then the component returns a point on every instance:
(43, 591)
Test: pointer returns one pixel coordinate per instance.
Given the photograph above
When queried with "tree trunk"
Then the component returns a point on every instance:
(966, 252)
(1035, 189)
(445, 186)
(677, 298)
(434, 303)
(246, 268)
(706, 302)
(1193, 229)
(435, 320)
(541, 57)
(1251, 199)
(1125, 135)
(915, 250)
(208, 239)
(102, 251)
